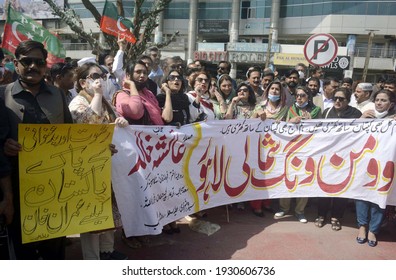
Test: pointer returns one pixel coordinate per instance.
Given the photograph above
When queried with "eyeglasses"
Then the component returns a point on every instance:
(27, 61)
(174, 77)
(96, 76)
(340, 98)
(243, 89)
(202, 80)
(302, 95)
(221, 68)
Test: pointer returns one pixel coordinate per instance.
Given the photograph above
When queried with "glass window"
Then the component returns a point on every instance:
(317, 9)
(307, 10)
(179, 10)
(373, 9)
(212, 10)
(297, 11)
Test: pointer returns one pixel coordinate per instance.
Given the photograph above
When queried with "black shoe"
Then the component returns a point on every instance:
(372, 243)
(258, 214)
(361, 240)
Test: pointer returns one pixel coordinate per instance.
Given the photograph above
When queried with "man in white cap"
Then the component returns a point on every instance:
(362, 95)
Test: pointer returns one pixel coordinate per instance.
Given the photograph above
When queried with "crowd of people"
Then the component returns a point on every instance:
(151, 91)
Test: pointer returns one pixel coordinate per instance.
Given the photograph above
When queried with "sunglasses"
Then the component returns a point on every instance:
(243, 89)
(174, 77)
(202, 80)
(96, 76)
(221, 68)
(27, 61)
(340, 98)
(302, 95)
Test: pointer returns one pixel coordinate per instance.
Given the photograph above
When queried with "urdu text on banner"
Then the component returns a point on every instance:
(161, 174)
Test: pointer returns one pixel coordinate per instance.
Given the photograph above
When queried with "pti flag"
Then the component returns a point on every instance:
(115, 25)
(19, 28)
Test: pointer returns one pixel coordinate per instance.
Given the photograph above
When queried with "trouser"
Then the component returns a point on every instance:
(336, 206)
(369, 214)
(92, 244)
(259, 204)
(301, 202)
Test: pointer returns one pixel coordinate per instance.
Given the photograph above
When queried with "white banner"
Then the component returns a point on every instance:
(161, 174)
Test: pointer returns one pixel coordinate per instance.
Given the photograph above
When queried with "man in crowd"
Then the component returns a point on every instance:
(254, 80)
(224, 67)
(63, 77)
(292, 81)
(156, 73)
(302, 72)
(30, 100)
(325, 100)
(317, 72)
(268, 77)
(362, 96)
(390, 84)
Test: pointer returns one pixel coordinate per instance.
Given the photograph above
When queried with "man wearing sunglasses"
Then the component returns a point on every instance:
(30, 100)
(224, 67)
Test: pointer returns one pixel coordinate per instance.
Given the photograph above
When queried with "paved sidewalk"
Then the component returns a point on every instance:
(247, 237)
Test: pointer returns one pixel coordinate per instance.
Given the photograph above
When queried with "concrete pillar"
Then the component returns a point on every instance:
(351, 44)
(234, 32)
(274, 25)
(159, 30)
(192, 30)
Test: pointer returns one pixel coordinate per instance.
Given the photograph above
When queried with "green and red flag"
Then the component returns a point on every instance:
(115, 25)
(19, 28)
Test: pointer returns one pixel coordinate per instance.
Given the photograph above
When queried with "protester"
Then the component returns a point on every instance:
(337, 205)
(369, 215)
(31, 101)
(90, 107)
(201, 107)
(224, 93)
(63, 77)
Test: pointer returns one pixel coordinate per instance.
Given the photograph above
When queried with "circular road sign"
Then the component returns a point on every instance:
(320, 49)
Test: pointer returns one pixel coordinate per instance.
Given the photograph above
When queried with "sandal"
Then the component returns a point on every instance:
(335, 224)
(319, 221)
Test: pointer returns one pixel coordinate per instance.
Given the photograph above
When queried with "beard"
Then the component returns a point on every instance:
(292, 84)
(139, 85)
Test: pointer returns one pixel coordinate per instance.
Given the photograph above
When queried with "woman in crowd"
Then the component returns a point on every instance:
(243, 106)
(201, 106)
(172, 90)
(222, 94)
(369, 215)
(336, 205)
(303, 108)
(138, 105)
(274, 103)
(273, 107)
(90, 107)
(135, 102)
(173, 87)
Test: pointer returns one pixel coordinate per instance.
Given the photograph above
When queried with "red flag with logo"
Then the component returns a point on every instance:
(19, 28)
(115, 25)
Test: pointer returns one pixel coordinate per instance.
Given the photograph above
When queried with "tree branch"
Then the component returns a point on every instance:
(74, 22)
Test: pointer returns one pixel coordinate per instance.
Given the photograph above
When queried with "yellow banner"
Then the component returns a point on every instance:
(290, 59)
(65, 179)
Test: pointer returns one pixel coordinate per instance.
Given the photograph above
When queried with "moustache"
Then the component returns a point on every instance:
(32, 71)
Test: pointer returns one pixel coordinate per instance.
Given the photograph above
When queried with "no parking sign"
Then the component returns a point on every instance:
(320, 49)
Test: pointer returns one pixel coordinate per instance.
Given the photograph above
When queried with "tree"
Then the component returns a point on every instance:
(144, 25)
